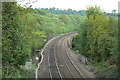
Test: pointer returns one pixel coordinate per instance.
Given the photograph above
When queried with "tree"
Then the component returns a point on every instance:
(93, 12)
(97, 37)
(113, 11)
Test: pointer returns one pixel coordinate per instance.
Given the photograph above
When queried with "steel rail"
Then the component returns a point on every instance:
(64, 58)
(56, 64)
(72, 60)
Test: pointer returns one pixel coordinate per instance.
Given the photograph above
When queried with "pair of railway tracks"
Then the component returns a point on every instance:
(60, 50)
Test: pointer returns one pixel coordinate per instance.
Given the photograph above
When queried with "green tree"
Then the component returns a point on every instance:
(113, 11)
(97, 36)
(93, 12)
(12, 53)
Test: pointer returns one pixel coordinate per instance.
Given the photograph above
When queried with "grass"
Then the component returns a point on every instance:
(111, 72)
(105, 71)
(100, 66)
(0, 73)
(28, 73)
(23, 72)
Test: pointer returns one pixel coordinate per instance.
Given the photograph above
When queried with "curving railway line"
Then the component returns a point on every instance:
(57, 62)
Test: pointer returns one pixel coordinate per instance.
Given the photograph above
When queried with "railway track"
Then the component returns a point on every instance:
(75, 72)
(53, 66)
(59, 62)
(67, 53)
(64, 63)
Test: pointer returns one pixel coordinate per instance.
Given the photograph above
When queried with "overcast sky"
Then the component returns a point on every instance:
(106, 5)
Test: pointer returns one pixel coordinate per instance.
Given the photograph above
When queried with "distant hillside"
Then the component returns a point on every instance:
(72, 12)
(112, 14)
(68, 11)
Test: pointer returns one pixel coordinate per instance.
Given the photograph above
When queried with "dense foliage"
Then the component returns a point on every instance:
(20, 37)
(97, 38)
(98, 41)
(55, 24)
(24, 30)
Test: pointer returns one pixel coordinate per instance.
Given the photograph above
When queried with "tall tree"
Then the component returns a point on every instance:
(113, 11)
(93, 11)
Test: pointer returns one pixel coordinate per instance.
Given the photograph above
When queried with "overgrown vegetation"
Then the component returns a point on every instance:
(24, 30)
(55, 24)
(20, 37)
(98, 38)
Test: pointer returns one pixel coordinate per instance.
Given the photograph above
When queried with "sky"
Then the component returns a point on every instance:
(105, 5)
